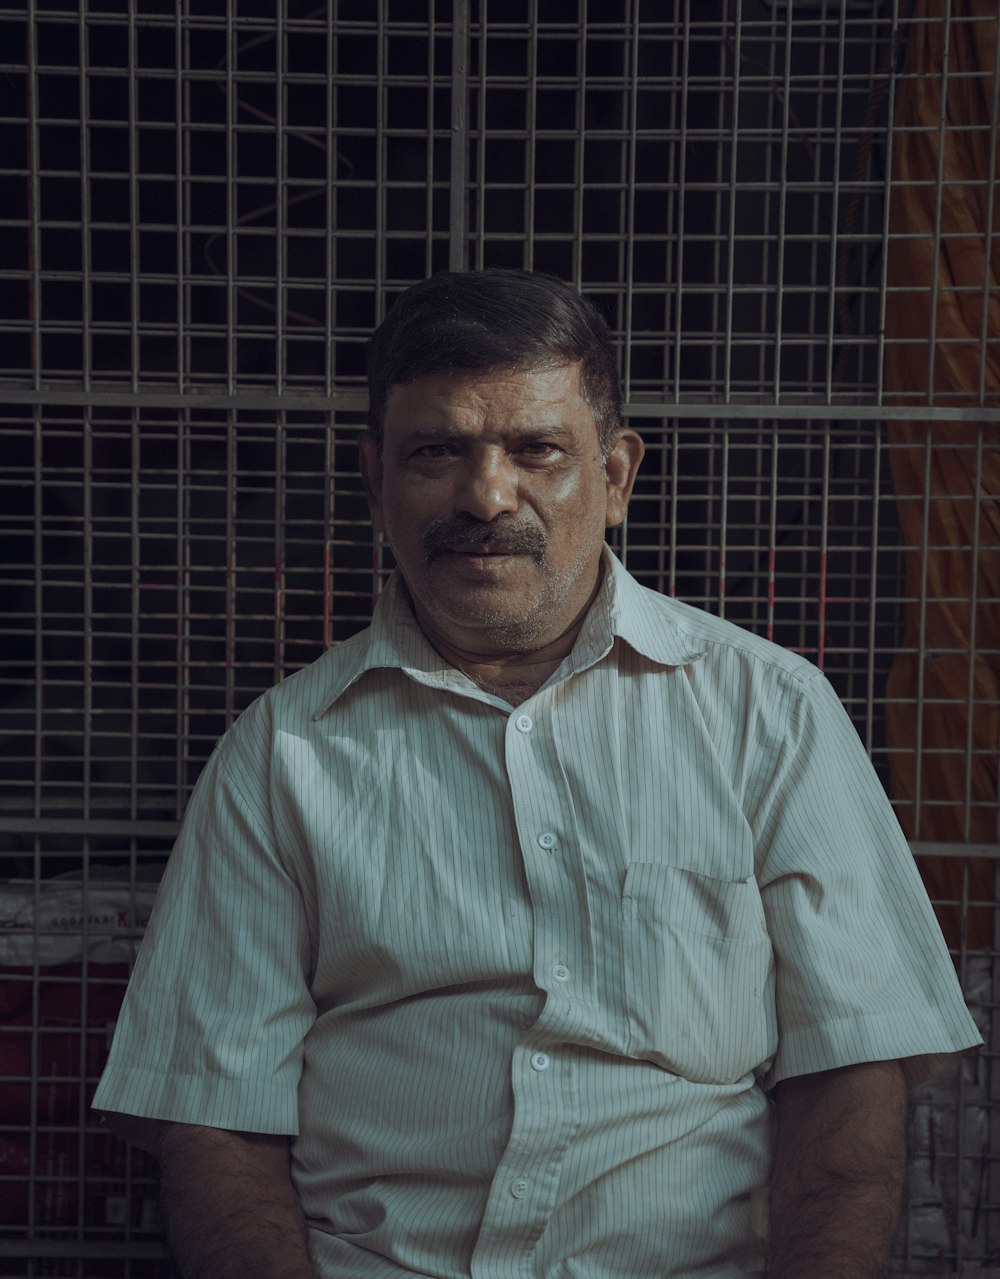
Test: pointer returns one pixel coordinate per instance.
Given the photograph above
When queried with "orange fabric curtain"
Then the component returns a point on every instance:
(946, 474)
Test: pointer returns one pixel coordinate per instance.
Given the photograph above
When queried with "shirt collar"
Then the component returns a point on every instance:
(623, 609)
(642, 618)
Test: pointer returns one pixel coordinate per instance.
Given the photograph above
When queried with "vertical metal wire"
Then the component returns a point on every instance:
(381, 94)
(772, 533)
(580, 142)
(723, 523)
(887, 191)
(838, 253)
(733, 187)
(185, 598)
(85, 211)
(429, 143)
(282, 195)
(971, 760)
(939, 185)
(135, 357)
(674, 487)
(280, 554)
(232, 562)
(681, 201)
(34, 231)
(632, 108)
(460, 134)
(332, 163)
(232, 221)
(530, 192)
(918, 746)
(135, 615)
(182, 85)
(786, 106)
(824, 551)
(87, 672)
(873, 580)
(481, 135)
(991, 183)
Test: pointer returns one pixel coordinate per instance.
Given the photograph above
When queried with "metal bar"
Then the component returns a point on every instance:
(459, 131)
(836, 253)
(991, 184)
(873, 579)
(744, 405)
(918, 745)
(530, 193)
(734, 144)
(84, 1249)
(632, 106)
(579, 149)
(970, 691)
(381, 106)
(281, 212)
(429, 145)
(682, 149)
(779, 285)
(939, 184)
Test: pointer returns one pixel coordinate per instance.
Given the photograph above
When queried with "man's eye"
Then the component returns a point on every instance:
(539, 449)
(434, 451)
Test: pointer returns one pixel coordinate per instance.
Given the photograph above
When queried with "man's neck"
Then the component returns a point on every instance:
(514, 675)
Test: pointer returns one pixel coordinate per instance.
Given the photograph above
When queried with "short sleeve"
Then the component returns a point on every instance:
(212, 1026)
(862, 972)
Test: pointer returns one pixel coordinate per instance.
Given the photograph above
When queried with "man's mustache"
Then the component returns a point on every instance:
(503, 536)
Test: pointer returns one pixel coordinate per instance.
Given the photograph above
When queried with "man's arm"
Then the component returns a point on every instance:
(230, 1206)
(839, 1170)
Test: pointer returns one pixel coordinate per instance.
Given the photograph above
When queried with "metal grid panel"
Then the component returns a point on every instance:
(204, 208)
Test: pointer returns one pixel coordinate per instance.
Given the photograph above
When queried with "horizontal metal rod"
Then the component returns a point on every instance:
(86, 827)
(78, 1249)
(751, 407)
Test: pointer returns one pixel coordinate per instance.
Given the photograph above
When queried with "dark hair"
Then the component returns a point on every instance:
(494, 319)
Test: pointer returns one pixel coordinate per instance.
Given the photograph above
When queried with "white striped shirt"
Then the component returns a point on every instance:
(519, 979)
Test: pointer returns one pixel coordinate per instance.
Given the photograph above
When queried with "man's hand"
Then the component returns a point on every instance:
(839, 1170)
(230, 1206)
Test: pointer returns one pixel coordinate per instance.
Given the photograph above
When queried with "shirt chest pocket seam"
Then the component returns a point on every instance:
(698, 972)
(690, 901)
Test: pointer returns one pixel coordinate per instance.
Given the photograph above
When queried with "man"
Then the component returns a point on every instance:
(539, 928)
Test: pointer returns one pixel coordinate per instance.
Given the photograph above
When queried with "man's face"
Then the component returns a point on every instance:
(493, 495)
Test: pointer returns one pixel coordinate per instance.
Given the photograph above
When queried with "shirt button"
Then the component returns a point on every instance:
(518, 1189)
(524, 723)
(560, 972)
(540, 1061)
(547, 840)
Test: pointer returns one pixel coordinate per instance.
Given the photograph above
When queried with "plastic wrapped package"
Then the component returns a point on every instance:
(66, 950)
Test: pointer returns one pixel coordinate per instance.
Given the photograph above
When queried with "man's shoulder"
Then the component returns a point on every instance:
(713, 639)
(302, 697)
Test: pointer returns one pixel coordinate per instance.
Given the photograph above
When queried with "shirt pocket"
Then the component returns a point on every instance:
(698, 973)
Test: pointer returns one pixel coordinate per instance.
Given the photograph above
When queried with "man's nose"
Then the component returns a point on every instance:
(489, 486)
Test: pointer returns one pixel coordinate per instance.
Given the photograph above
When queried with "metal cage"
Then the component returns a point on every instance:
(205, 207)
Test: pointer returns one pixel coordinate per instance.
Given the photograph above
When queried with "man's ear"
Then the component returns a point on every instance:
(370, 459)
(621, 466)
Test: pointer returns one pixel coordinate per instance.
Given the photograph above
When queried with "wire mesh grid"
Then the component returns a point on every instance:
(204, 209)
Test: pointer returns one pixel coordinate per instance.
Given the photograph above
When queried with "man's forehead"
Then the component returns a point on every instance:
(458, 395)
